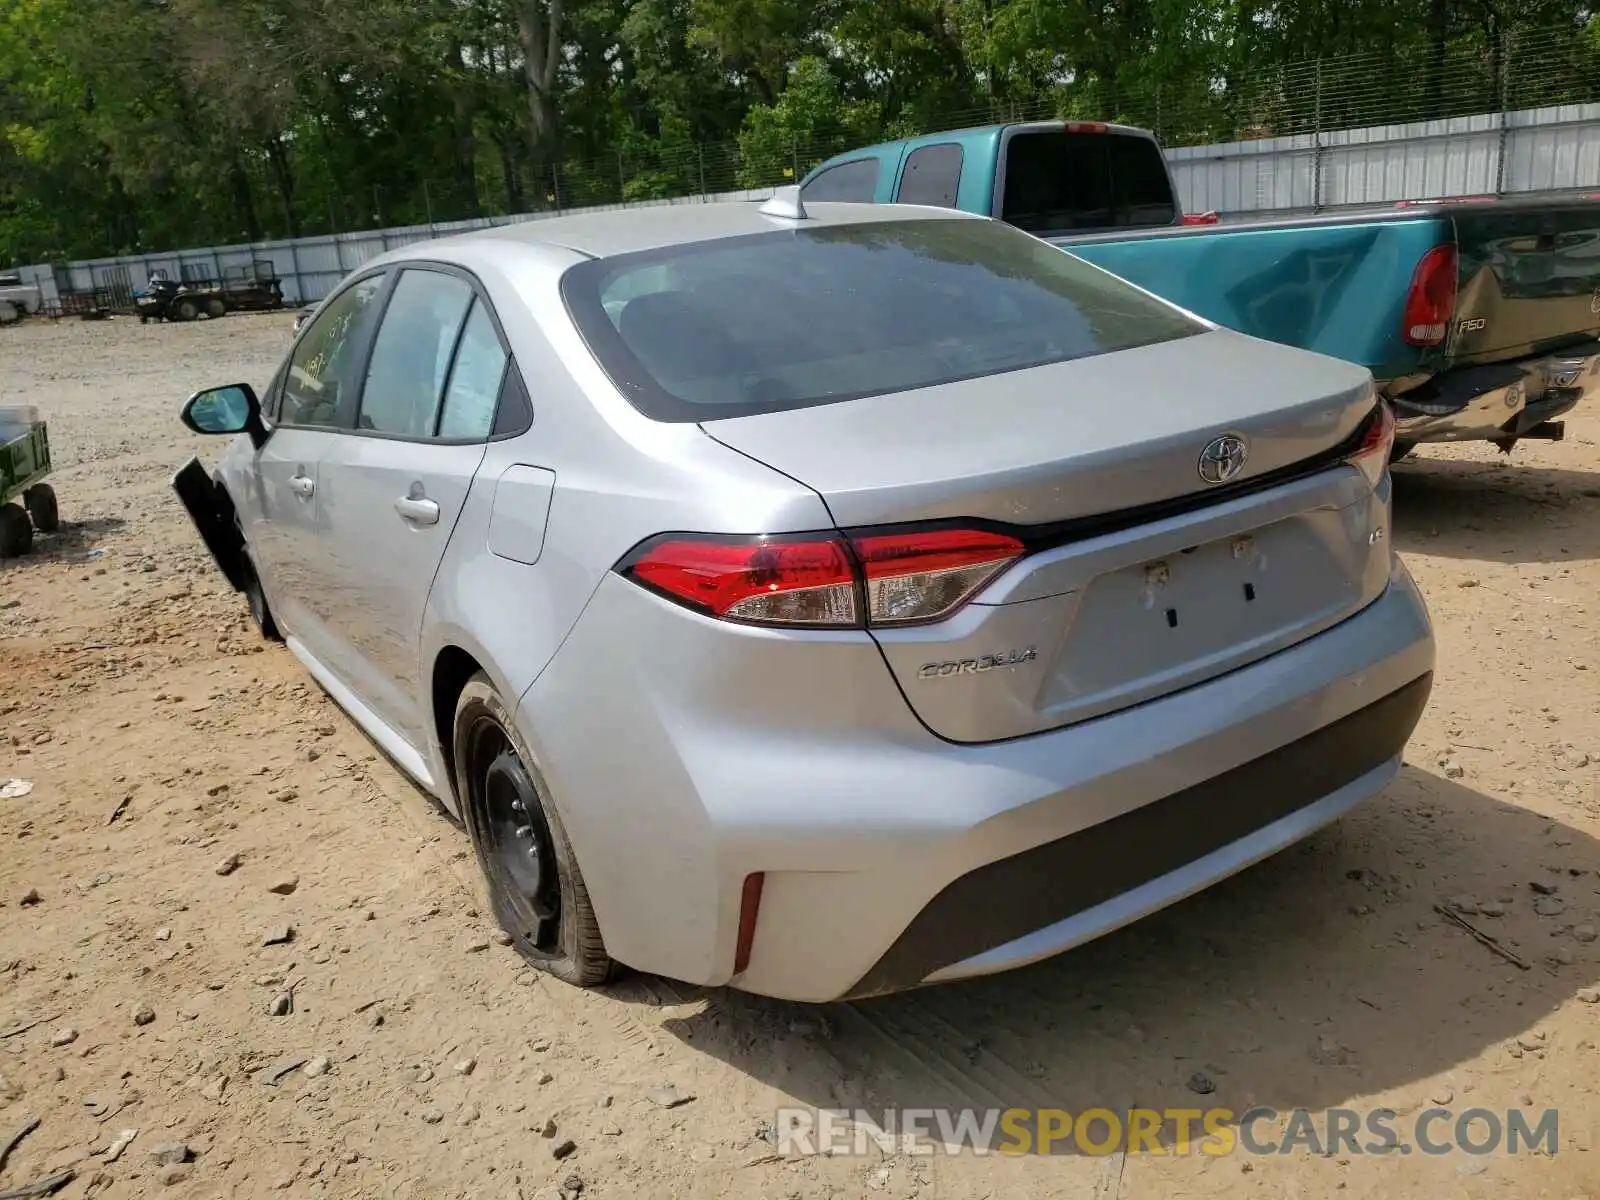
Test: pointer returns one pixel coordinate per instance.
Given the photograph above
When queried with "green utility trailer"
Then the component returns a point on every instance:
(24, 462)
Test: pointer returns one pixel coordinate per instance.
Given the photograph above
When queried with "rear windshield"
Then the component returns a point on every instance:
(793, 318)
(1057, 181)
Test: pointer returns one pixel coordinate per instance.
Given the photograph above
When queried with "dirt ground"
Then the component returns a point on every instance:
(162, 738)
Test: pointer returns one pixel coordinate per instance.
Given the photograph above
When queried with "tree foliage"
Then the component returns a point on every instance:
(130, 125)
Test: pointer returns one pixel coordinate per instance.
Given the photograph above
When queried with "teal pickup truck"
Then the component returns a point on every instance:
(1480, 320)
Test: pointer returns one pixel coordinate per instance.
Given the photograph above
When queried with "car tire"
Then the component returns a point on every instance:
(16, 531)
(40, 501)
(535, 888)
(215, 307)
(185, 310)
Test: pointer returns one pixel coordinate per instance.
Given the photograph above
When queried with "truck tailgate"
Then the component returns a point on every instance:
(1529, 278)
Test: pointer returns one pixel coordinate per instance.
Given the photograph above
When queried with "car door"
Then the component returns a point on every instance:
(393, 487)
(313, 397)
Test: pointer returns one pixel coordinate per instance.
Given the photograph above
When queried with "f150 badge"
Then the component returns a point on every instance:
(972, 666)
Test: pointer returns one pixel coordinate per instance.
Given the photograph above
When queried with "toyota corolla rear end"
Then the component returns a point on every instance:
(1099, 606)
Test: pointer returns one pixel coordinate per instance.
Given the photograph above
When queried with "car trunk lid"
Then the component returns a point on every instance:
(1069, 440)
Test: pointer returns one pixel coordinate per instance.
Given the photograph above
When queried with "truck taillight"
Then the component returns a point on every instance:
(1372, 456)
(1431, 302)
(1205, 218)
(883, 578)
(1086, 126)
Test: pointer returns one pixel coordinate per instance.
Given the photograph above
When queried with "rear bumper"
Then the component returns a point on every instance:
(1500, 400)
(1076, 888)
(892, 858)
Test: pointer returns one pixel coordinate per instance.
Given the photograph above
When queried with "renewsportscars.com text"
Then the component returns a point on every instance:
(1171, 1131)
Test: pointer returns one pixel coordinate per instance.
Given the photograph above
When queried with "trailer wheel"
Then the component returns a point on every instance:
(40, 500)
(186, 309)
(16, 531)
(215, 307)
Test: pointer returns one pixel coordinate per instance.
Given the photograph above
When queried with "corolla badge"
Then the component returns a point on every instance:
(1223, 458)
(976, 666)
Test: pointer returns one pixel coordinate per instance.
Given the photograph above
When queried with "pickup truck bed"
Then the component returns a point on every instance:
(1478, 320)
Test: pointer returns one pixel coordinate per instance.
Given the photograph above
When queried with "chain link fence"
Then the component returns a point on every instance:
(1395, 86)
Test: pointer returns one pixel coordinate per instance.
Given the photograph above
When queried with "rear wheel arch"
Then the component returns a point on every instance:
(453, 667)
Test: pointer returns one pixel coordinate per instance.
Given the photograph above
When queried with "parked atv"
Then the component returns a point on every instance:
(166, 299)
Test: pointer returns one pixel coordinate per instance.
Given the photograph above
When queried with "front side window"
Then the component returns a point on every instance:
(411, 356)
(820, 315)
(322, 384)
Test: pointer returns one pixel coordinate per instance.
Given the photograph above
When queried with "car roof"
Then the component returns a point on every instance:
(624, 231)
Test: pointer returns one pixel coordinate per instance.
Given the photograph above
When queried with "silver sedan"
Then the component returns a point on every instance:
(823, 602)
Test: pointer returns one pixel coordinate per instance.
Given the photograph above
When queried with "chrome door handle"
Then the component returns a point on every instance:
(417, 510)
(302, 485)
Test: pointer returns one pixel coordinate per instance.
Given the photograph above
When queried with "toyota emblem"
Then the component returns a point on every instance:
(1223, 458)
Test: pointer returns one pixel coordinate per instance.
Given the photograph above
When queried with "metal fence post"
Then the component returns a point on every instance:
(294, 267)
(1506, 47)
(700, 151)
(1316, 145)
(794, 157)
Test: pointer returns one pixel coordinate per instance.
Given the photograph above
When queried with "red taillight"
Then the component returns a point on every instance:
(1086, 127)
(921, 576)
(1205, 218)
(1372, 456)
(771, 581)
(890, 578)
(1432, 299)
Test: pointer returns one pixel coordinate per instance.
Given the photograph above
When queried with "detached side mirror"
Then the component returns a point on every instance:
(231, 409)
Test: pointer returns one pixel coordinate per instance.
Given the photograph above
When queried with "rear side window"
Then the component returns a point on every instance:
(1057, 181)
(854, 182)
(411, 355)
(789, 319)
(469, 401)
(932, 175)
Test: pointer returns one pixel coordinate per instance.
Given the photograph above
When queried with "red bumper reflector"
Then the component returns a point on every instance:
(749, 906)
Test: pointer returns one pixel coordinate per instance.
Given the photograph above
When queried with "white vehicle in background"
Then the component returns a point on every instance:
(18, 298)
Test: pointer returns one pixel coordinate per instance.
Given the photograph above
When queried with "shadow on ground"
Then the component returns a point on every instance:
(1506, 510)
(74, 540)
(1320, 975)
